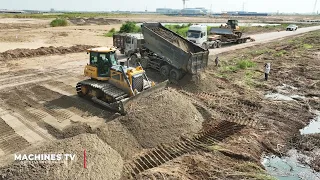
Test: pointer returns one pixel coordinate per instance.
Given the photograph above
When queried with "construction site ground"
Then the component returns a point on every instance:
(215, 126)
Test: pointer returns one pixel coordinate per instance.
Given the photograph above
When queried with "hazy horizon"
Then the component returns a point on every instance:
(284, 6)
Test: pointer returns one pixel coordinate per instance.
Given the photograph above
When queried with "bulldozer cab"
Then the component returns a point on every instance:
(233, 24)
(101, 61)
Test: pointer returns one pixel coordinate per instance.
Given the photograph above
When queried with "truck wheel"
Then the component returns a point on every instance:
(214, 45)
(144, 62)
(239, 41)
(175, 74)
(219, 43)
(204, 46)
(165, 71)
(133, 60)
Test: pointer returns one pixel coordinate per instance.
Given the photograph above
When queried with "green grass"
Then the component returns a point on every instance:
(307, 46)
(66, 15)
(129, 27)
(59, 22)
(245, 63)
(280, 53)
(179, 29)
(110, 33)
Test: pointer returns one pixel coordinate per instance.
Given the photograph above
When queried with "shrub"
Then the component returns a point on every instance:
(58, 22)
(129, 27)
(110, 32)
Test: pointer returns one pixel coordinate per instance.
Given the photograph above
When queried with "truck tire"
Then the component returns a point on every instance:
(204, 46)
(165, 71)
(144, 62)
(175, 74)
(239, 41)
(219, 44)
(133, 60)
(214, 45)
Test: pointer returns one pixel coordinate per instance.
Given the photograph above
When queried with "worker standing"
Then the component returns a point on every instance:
(217, 61)
(267, 67)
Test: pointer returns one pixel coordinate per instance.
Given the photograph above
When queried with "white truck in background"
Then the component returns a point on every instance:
(199, 35)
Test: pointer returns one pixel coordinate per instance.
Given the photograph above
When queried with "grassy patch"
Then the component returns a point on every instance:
(307, 46)
(59, 22)
(70, 15)
(110, 33)
(128, 27)
(280, 53)
(245, 63)
(179, 29)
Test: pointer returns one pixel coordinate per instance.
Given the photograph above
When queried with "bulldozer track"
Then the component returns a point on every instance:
(164, 153)
(106, 88)
(199, 101)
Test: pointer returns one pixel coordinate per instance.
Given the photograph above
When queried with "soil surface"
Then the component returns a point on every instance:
(215, 126)
(162, 118)
(102, 161)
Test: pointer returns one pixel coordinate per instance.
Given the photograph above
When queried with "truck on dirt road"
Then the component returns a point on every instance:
(163, 50)
(215, 37)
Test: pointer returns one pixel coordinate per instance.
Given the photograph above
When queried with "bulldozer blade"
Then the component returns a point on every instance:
(125, 103)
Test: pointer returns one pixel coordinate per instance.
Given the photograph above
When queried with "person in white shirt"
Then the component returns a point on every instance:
(267, 67)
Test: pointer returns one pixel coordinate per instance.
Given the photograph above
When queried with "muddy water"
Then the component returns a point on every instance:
(314, 125)
(289, 168)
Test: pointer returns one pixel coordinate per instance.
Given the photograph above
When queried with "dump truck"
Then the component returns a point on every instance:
(165, 51)
(215, 37)
(111, 84)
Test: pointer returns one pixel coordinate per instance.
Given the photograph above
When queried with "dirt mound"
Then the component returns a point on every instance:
(97, 21)
(162, 118)
(102, 161)
(119, 138)
(20, 25)
(23, 53)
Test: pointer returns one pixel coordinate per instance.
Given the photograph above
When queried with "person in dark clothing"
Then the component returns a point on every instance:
(217, 61)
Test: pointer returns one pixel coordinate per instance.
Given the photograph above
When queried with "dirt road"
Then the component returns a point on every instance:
(264, 38)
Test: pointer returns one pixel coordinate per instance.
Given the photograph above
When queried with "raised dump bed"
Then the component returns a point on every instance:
(175, 50)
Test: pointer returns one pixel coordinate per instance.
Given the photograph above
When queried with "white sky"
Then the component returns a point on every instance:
(298, 6)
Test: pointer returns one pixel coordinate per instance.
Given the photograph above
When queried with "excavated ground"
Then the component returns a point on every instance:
(225, 106)
(27, 53)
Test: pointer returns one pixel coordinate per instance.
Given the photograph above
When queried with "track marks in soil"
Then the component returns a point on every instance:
(157, 156)
(210, 104)
(10, 142)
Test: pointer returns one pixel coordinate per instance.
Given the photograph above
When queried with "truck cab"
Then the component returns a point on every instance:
(128, 43)
(197, 34)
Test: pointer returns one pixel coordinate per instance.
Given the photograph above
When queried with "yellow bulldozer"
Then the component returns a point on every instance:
(112, 84)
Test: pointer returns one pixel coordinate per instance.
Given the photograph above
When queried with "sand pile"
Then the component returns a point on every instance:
(162, 118)
(119, 138)
(102, 161)
(22, 53)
